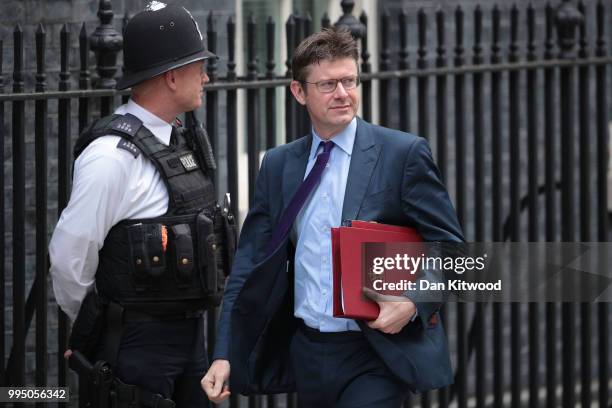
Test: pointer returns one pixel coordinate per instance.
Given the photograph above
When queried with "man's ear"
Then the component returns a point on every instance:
(169, 78)
(298, 92)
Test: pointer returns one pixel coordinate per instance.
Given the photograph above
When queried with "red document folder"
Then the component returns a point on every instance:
(347, 258)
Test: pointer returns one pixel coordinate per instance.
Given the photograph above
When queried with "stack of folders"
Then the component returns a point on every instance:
(347, 241)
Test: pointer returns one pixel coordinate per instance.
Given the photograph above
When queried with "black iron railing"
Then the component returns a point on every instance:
(519, 131)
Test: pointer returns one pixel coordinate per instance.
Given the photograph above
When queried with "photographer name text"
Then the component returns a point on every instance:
(423, 284)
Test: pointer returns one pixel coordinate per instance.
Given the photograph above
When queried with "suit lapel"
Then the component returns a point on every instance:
(295, 168)
(363, 160)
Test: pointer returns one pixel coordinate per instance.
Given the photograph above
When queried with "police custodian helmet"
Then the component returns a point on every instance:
(158, 39)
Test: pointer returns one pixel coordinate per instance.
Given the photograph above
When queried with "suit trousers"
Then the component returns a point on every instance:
(341, 370)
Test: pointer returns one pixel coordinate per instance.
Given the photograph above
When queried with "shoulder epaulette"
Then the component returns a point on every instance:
(128, 146)
(128, 124)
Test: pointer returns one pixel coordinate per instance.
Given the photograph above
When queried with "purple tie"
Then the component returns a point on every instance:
(300, 197)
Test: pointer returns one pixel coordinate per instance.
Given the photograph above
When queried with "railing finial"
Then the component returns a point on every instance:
(106, 42)
(349, 21)
(568, 19)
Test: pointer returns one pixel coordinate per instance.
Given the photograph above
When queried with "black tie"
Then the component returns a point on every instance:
(173, 138)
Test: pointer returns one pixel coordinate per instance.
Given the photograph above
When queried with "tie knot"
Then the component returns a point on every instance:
(327, 146)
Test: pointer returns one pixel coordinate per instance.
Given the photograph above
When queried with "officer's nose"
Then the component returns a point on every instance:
(205, 78)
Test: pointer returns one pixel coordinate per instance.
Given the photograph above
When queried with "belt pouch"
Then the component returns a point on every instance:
(206, 252)
(221, 247)
(183, 250)
(230, 241)
(139, 258)
(155, 249)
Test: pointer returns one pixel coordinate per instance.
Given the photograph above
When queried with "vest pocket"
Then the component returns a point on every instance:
(207, 252)
(192, 194)
(147, 255)
(183, 250)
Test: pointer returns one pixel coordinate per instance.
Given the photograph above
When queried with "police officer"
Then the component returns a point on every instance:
(135, 252)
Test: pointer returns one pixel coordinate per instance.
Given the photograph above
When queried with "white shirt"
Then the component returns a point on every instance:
(109, 185)
(312, 232)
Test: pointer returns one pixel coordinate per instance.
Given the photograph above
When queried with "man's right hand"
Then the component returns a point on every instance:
(214, 383)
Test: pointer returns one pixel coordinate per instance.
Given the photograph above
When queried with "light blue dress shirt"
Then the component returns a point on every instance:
(312, 232)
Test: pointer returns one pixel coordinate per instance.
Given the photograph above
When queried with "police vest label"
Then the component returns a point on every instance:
(188, 162)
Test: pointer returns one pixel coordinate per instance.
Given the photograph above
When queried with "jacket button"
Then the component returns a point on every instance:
(184, 261)
(138, 261)
(156, 259)
(214, 246)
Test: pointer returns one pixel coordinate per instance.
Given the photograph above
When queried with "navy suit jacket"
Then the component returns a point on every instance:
(392, 179)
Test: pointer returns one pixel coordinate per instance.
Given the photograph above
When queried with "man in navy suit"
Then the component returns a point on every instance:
(276, 330)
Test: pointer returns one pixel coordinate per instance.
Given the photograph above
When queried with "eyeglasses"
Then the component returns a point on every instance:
(330, 85)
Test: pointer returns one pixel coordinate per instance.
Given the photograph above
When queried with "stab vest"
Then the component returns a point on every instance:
(175, 263)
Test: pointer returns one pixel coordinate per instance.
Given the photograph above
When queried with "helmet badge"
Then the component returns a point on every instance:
(155, 5)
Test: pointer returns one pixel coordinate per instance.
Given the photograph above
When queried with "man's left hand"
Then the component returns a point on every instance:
(395, 311)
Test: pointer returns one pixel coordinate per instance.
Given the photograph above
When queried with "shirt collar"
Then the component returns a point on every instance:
(345, 139)
(159, 127)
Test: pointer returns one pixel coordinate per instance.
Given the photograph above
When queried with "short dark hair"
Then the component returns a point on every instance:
(327, 44)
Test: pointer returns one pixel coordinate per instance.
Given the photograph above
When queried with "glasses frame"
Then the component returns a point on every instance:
(318, 83)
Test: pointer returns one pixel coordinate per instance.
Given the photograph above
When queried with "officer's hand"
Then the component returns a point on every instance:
(214, 383)
(67, 354)
(395, 311)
